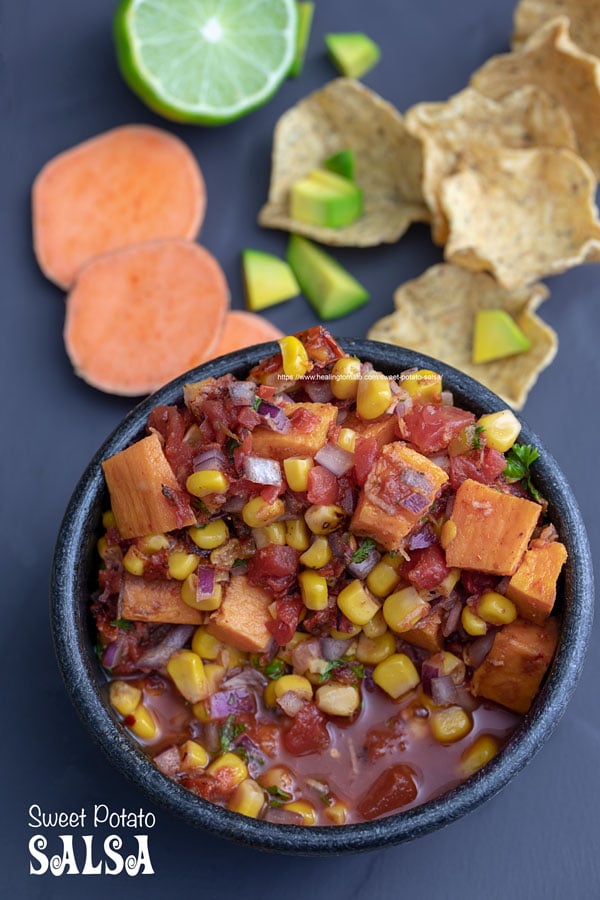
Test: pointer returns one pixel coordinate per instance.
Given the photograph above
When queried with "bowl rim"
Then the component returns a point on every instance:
(81, 671)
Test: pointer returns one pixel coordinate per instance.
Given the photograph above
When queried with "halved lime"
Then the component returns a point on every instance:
(205, 61)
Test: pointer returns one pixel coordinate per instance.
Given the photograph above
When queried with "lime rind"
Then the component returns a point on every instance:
(205, 61)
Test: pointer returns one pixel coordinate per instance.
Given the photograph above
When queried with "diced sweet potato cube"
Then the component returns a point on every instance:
(533, 586)
(513, 670)
(492, 529)
(145, 496)
(427, 633)
(399, 489)
(314, 421)
(241, 620)
(384, 429)
(156, 601)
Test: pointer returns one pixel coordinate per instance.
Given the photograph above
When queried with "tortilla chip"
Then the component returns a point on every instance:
(347, 115)
(435, 314)
(525, 118)
(583, 16)
(521, 214)
(551, 60)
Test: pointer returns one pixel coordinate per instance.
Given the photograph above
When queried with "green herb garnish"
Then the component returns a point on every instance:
(228, 732)
(275, 669)
(479, 430)
(519, 460)
(362, 551)
(256, 403)
(123, 624)
(357, 668)
(231, 444)
(277, 797)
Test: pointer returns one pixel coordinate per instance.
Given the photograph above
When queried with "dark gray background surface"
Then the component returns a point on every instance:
(59, 84)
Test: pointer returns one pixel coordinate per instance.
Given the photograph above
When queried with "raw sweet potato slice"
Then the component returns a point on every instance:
(137, 318)
(132, 184)
(243, 329)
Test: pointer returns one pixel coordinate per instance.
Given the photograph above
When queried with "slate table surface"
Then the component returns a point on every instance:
(59, 84)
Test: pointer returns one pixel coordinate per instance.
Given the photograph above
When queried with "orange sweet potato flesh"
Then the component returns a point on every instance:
(144, 493)
(493, 529)
(125, 186)
(384, 430)
(156, 601)
(137, 318)
(241, 620)
(427, 633)
(513, 670)
(533, 586)
(296, 442)
(243, 329)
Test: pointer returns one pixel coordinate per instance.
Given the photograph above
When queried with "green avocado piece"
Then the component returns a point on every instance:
(328, 287)
(352, 53)
(497, 335)
(341, 163)
(267, 280)
(325, 198)
(305, 17)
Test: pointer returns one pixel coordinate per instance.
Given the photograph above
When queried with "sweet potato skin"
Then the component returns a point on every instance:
(533, 586)
(140, 482)
(513, 670)
(156, 601)
(493, 529)
(242, 616)
(273, 444)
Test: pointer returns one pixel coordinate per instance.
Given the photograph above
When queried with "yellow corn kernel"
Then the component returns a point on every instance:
(382, 579)
(238, 770)
(374, 650)
(294, 357)
(257, 512)
(102, 547)
(214, 676)
(209, 536)
(403, 609)
(501, 429)
(205, 645)
(232, 657)
(480, 752)
(396, 675)
(338, 699)
(337, 812)
(448, 533)
(201, 711)
(449, 664)
(207, 481)
(124, 697)
(472, 623)
(108, 519)
(270, 534)
(423, 384)
(248, 799)
(445, 587)
(313, 588)
(322, 519)
(188, 595)
(345, 376)
(269, 698)
(296, 470)
(345, 635)
(296, 683)
(153, 543)
(374, 395)
(356, 603)
(133, 562)
(186, 670)
(347, 439)
(193, 755)
(297, 534)
(450, 724)
(376, 626)
(496, 609)
(143, 725)
(280, 777)
(318, 554)
(306, 810)
(182, 564)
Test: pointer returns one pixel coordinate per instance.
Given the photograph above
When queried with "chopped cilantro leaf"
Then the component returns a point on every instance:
(519, 460)
(228, 732)
(362, 551)
(123, 624)
(479, 430)
(230, 445)
(277, 797)
(356, 667)
(256, 403)
(275, 669)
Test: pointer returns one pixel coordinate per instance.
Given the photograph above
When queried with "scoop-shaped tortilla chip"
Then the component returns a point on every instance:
(521, 214)
(346, 115)
(524, 118)
(435, 314)
(551, 60)
(583, 16)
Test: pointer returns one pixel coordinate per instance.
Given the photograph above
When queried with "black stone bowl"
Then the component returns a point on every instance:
(73, 579)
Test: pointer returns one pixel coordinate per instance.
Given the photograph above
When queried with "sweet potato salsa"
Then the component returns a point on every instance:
(326, 593)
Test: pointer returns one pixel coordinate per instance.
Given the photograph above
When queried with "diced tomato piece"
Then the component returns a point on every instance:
(287, 615)
(366, 452)
(273, 567)
(476, 583)
(320, 345)
(431, 427)
(172, 425)
(303, 420)
(484, 466)
(307, 732)
(322, 486)
(427, 567)
(392, 790)
(271, 492)
(248, 418)
(222, 416)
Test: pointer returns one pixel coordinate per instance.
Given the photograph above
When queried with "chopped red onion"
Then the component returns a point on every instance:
(334, 648)
(224, 703)
(475, 652)
(442, 460)
(318, 389)
(422, 539)
(242, 393)
(159, 655)
(113, 653)
(233, 505)
(452, 618)
(416, 480)
(261, 470)
(429, 671)
(447, 398)
(254, 758)
(502, 585)
(362, 569)
(246, 678)
(291, 703)
(278, 816)
(335, 459)
(304, 653)
(205, 587)
(210, 459)
(415, 503)
(168, 761)
(443, 690)
(274, 417)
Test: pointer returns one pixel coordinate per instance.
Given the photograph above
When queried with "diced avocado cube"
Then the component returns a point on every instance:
(305, 17)
(328, 287)
(352, 53)
(497, 335)
(267, 279)
(341, 163)
(324, 198)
